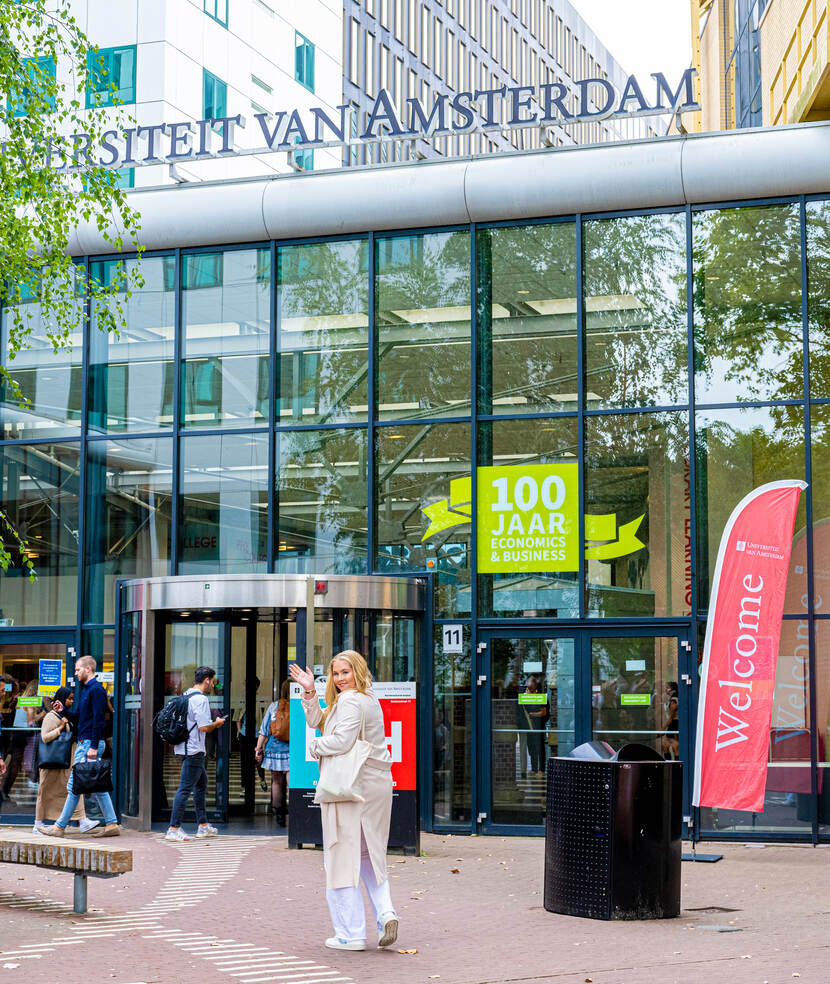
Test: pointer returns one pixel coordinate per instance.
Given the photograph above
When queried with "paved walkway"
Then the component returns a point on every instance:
(245, 909)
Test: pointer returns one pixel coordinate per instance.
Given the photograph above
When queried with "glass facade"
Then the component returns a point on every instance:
(319, 407)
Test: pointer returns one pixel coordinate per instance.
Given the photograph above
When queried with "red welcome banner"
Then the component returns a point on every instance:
(743, 631)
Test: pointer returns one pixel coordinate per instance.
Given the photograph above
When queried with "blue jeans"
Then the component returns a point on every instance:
(193, 780)
(103, 800)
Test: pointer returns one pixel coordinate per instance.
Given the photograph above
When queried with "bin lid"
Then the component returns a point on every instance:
(593, 750)
(635, 751)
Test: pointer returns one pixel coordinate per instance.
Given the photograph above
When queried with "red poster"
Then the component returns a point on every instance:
(401, 731)
(741, 650)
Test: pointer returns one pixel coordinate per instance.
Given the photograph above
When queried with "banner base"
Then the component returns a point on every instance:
(708, 858)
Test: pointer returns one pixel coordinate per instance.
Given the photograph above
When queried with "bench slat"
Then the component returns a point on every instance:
(69, 855)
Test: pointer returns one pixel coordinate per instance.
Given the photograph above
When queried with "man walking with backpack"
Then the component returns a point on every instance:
(190, 748)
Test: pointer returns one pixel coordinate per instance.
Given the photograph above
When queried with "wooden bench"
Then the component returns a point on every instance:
(83, 858)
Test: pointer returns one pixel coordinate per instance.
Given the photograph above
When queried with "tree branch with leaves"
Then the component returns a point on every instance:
(57, 99)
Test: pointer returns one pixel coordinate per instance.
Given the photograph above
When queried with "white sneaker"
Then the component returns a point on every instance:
(38, 829)
(389, 933)
(86, 825)
(333, 943)
(205, 830)
(177, 834)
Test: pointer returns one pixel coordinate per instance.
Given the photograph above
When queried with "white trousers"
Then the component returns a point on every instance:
(348, 914)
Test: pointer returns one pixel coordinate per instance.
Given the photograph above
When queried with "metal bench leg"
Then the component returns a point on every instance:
(79, 893)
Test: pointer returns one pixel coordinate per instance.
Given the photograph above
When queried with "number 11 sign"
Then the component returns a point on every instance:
(453, 639)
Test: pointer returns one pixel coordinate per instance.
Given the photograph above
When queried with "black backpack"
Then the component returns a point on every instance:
(170, 723)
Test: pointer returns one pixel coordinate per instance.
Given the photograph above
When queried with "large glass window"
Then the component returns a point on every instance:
(818, 272)
(39, 492)
(129, 493)
(224, 504)
(637, 520)
(517, 444)
(416, 467)
(636, 335)
(49, 380)
(323, 496)
(131, 371)
(323, 332)
(423, 325)
(526, 301)
(226, 311)
(747, 297)
(111, 76)
(736, 451)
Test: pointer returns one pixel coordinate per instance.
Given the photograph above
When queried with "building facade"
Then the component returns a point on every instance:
(195, 59)
(354, 372)
(761, 62)
(201, 59)
(442, 47)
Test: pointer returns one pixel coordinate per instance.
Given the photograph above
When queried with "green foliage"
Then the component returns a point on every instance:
(50, 187)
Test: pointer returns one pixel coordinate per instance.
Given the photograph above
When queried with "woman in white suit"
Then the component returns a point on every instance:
(355, 834)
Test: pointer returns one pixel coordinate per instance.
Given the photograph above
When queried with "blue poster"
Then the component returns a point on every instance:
(303, 771)
(49, 677)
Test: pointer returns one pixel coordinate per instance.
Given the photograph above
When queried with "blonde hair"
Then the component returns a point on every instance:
(362, 679)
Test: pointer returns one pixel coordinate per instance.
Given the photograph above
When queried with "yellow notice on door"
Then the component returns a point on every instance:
(528, 518)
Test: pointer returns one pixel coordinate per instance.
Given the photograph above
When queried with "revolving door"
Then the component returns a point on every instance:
(249, 628)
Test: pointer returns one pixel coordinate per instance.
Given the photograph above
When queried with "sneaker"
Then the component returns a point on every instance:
(205, 830)
(86, 825)
(53, 831)
(177, 834)
(333, 943)
(389, 933)
(39, 828)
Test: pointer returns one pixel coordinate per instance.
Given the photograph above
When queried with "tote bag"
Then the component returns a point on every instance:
(338, 780)
(55, 754)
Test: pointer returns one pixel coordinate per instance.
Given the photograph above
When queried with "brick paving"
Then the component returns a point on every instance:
(248, 910)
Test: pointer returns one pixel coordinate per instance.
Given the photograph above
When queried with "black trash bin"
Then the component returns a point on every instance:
(613, 833)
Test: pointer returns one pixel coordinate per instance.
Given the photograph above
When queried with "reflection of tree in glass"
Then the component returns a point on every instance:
(635, 299)
(423, 314)
(818, 270)
(526, 305)
(747, 296)
(324, 290)
(636, 465)
(323, 495)
(737, 451)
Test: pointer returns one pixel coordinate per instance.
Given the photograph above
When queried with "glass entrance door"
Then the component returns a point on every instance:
(532, 716)
(188, 645)
(542, 693)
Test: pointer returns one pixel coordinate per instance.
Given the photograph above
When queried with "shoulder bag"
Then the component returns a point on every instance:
(55, 754)
(338, 782)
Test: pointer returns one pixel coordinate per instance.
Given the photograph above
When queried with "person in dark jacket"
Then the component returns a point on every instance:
(90, 716)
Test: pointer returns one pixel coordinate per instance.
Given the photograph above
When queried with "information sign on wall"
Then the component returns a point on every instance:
(49, 677)
(528, 518)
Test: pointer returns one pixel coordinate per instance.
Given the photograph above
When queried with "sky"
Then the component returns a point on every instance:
(644, 36)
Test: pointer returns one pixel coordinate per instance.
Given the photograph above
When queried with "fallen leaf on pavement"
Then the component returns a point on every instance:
(455, 871)
(407, 951)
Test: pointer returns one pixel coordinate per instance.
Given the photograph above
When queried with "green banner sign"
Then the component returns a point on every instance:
(533, 698)
(639, 699)
(528, 518)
